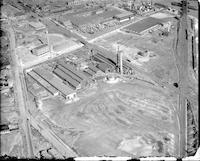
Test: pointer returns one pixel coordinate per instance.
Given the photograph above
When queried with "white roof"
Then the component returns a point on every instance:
(37, 25)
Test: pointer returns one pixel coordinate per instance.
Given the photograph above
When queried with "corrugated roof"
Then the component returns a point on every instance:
(66, 77)
(43, 82)
(74, 76)
(103, 67)
(70, 68)
(54, 81)
(144, 24)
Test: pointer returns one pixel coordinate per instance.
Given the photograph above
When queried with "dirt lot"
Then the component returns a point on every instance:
(108, 121)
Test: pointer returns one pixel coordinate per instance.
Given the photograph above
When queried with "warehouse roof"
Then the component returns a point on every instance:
(103, 67)
(54, 81)
(125, 14)
(144, 24)
(37, 25)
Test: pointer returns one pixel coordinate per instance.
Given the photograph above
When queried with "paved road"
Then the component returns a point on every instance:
(19, 90)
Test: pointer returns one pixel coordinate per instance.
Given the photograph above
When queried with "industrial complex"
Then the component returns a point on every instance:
(100, 78)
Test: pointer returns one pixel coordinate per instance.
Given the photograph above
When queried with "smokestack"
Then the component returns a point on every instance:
(118, 59)
(121, 63)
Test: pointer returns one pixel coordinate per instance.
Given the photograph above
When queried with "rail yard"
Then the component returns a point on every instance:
(109, 78)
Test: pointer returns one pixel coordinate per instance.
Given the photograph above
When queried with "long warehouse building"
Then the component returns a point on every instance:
(56, 82)
(66, 78)
(92, 73)
(70, 68)
(43, 83)
(72, 75)
(93, 68)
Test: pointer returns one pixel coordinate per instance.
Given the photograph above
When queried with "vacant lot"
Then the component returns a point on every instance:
(109, 121)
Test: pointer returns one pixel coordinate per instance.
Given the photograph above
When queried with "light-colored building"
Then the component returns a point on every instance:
(37, 25)
(124, 16)
(40, 50)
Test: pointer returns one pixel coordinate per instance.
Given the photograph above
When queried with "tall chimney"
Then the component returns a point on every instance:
(121, 63)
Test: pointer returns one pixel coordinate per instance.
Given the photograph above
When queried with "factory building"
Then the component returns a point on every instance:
(37, 25)
(43, 83)
(72, 75)
(124, 16)
(68, 80)
(93, 68)
(89, 72)
(57, 83)
(101, 58)
(127, 68)
(145, 25)
(71, 69)
(40, 50)
(104, 67)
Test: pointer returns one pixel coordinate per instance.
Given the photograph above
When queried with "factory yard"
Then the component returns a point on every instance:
(99, 78)
(150, 52)
(59, 44)
(108, 121)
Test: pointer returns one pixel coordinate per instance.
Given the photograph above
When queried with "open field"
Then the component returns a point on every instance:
(108, 121)
(11, 144)
(81, 19)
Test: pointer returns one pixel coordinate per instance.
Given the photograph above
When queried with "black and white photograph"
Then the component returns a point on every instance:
(99, 80)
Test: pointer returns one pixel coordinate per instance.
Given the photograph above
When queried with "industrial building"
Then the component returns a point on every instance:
(69, 73)
(57, 83)
(90, 72)
(71, 69)
(144, 25)
(124, 16)
(93, 68)
(37, 25)
(43, 83)
(102, 58)
(111, 62)
(68, 80)
(40, 50)
(104, 67)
